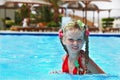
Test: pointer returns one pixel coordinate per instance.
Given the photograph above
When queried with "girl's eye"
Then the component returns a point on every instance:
(79, 40)
(71, 40)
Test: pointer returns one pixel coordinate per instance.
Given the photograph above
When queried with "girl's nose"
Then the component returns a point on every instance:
(75, 42)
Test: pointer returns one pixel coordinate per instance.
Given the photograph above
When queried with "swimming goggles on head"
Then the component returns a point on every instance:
(81, 25)
(79, 22)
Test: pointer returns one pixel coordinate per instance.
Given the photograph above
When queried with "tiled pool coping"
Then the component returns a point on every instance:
(28, 33)
(54, 33)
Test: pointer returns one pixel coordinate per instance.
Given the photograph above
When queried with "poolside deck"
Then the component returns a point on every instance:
(34, 29)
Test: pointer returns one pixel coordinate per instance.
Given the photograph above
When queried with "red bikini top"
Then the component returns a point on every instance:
(65, 64)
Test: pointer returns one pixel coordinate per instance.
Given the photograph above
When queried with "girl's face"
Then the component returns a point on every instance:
(73, 40)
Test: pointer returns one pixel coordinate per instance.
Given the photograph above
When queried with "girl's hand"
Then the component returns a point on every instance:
(56, 72)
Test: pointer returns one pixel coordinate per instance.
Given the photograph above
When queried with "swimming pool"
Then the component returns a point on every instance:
(24, 57)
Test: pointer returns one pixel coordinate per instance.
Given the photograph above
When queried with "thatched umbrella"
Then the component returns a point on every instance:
(79, 6)
(92, 7)
(14, 4)
(41, 2)
(73, 6)
(86, 2)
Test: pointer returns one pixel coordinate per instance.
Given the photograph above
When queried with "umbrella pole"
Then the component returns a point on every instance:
(83, 15)
(109, 13)
(93, 18)
(86, 6)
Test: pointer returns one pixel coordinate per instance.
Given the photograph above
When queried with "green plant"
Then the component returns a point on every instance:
(53, 24)
(44, 14)
(18, 18)
(107, 19)
(107, 22)
(9, 23)
(25, 11)
(55, 7)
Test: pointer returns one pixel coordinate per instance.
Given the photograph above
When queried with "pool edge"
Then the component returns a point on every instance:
(53, 33)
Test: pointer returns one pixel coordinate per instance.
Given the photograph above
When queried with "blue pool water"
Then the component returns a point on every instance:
(25, 57)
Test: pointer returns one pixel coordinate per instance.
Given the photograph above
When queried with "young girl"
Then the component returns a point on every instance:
(73, 36)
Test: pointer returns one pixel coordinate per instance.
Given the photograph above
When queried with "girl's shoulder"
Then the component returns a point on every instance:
(64, 56)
